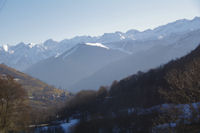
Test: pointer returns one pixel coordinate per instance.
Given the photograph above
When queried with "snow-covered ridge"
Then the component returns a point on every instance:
(69, 52)
(97, 45)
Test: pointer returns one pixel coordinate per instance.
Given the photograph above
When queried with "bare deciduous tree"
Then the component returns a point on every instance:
(13, 106)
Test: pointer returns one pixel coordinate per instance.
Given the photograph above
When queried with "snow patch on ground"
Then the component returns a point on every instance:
(97, 45)
(66, 126)
(62, 126)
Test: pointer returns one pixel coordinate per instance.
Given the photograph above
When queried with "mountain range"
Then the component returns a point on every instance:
(141, 61)
(86, 62)
(75, 64)
(21, 56)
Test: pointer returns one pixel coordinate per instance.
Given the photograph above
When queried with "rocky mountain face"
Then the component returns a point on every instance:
(75, 64)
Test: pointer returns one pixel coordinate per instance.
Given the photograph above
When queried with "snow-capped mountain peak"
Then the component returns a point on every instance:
(31, 45)
(5, 48)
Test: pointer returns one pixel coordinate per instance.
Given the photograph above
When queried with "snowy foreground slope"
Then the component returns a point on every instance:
(67, 127)
(61, 127)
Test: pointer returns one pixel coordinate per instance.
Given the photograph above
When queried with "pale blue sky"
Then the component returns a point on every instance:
(38, 20)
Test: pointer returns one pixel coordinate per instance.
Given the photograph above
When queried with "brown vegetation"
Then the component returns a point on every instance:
(13, 106)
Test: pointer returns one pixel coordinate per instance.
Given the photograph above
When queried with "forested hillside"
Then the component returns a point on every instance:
(151, 99)
(39, 92)
(41, 99)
